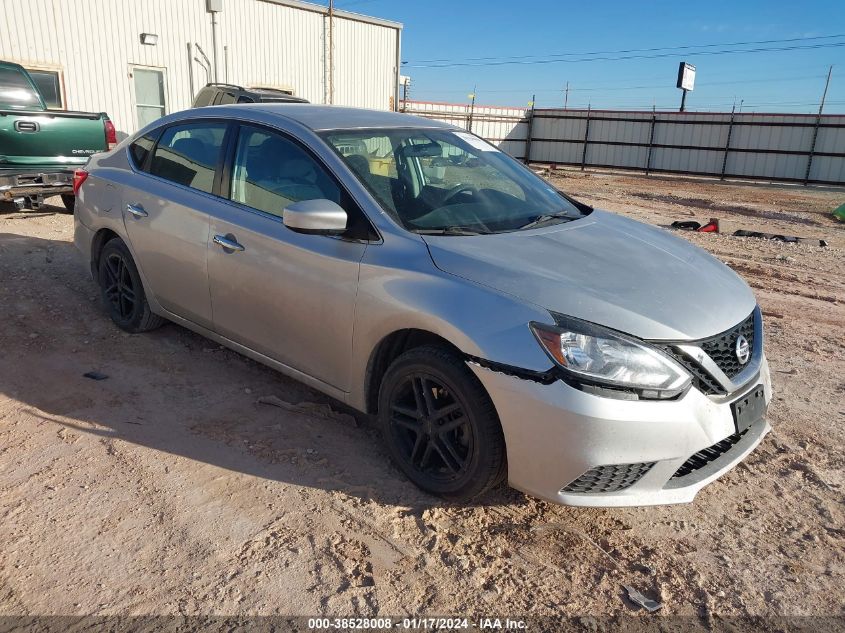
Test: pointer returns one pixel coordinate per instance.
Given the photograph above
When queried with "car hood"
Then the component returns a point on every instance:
(606, 269)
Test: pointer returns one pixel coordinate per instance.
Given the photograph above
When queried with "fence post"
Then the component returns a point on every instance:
(727, 144)
(586, 139)
(527, 157)
(651, 140)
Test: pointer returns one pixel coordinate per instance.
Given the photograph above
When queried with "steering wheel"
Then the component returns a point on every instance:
(458, 189)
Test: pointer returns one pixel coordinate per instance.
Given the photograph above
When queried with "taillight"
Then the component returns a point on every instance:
(79, 176)
(111, 134)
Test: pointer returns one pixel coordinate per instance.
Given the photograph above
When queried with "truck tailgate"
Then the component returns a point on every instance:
(29, 140)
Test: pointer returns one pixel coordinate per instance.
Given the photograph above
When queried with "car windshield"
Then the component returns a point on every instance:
(450, 182)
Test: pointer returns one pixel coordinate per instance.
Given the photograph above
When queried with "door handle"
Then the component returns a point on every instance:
(27, 126)
(137, 210)
(227, 242)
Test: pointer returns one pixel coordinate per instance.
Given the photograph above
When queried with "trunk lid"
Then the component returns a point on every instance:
(29, 140)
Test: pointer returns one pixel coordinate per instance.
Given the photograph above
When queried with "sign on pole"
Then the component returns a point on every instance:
(686, 76)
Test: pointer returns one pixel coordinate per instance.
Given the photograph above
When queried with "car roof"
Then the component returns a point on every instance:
(328, 117)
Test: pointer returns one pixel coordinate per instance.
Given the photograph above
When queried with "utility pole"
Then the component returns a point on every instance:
(826, 86)
(471, 108)
(816, 128)
(331, 51)
(566, 96)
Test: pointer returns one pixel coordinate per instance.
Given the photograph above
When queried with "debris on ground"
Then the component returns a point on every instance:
(639, 599)
(691, 225)
(789, 239)
(94, 375)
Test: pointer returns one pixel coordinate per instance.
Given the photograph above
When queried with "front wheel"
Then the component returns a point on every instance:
(122, 291)
(440, 425)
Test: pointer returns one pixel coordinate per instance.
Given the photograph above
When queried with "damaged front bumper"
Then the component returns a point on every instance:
(576, 448)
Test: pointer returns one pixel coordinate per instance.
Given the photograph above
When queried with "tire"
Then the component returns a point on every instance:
(440, 426)
(121, 290)
(69, 200)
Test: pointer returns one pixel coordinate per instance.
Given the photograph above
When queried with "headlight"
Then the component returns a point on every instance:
(599, 356)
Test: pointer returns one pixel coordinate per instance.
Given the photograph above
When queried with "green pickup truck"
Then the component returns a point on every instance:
(41, 148)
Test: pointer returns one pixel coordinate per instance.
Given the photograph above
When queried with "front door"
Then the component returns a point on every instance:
(149, 92)
(165, 212)
(286, 295)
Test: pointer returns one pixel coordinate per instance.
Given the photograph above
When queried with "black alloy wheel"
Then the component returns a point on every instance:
(122, 291)
(440, 425)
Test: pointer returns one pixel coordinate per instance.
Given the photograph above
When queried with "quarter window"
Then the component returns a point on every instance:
(270, 172)
(188, 154)
(141, 148)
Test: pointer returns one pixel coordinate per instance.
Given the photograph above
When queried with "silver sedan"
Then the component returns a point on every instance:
(497, 328)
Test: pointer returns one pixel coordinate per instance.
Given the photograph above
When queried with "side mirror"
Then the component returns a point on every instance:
(322, 217)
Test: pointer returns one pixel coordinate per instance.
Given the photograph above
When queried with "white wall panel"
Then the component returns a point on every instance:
(95, 43)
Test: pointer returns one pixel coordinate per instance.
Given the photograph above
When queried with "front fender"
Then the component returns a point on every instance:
(400, 288)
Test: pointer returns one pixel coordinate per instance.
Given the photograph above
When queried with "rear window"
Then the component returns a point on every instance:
(188, 154)
(16, 91)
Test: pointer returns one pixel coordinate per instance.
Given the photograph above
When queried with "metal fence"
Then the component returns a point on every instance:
(803, 148)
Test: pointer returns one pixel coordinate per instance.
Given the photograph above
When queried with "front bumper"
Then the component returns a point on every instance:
(556, 433)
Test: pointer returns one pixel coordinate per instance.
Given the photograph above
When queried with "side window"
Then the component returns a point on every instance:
(270, 172)
(141, 148)
(225, 98)
(245, 99)
(188, 154)
(372, 160)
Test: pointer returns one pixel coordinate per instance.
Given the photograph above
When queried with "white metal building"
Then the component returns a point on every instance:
(139, 59)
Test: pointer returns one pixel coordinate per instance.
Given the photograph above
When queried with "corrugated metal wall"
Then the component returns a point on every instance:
(755, 146)
(95, 44)
(502, 126)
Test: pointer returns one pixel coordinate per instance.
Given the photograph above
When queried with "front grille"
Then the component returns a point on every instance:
(722, 349)
(701, 379)
(707, 455)
(610, 478)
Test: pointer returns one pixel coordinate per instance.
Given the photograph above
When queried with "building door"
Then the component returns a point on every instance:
(150, 102)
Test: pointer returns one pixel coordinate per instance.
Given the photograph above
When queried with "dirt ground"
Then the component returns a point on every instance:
(168, 489)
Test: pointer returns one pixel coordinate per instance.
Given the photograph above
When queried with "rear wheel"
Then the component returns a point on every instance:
(122, 291)
(69, 200)
(440, 425)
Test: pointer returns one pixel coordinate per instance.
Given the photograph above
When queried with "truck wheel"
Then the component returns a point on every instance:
(440, 426)
(69, 200)
(122, 291)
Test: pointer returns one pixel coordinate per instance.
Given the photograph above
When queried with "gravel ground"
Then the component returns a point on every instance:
(168, 489)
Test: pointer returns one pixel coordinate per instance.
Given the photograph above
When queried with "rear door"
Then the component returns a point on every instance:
(286, 295)
(166, 215)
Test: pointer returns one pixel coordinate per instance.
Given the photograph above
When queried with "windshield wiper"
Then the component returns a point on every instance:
(451, 230)
(546, 217)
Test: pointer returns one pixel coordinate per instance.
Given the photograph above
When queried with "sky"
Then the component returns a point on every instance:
(443, 40)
